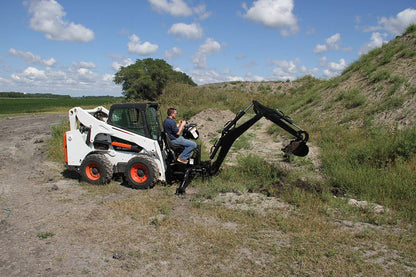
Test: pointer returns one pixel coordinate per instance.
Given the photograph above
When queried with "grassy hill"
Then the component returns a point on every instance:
(379, 88)
(363, 121)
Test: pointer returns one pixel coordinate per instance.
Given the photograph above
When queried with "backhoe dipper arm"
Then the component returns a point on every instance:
(281, 120)
(231, 132)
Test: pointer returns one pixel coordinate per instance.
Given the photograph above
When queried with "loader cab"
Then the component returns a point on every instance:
(140, 118)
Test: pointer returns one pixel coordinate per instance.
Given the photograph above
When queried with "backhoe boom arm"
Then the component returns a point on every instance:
(231, 132)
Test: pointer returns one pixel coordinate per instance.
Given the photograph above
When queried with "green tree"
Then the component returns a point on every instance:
(147, 78)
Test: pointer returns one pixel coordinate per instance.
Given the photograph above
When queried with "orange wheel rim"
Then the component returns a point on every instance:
(139, 173)
(93, 171)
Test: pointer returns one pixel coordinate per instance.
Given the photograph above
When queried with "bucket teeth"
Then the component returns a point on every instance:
(297, 148)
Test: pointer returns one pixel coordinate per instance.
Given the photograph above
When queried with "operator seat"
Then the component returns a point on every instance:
(172, 149)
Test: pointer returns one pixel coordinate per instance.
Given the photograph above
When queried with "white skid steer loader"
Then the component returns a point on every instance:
(127, 140)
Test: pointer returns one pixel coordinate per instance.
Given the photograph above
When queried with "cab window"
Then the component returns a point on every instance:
(129, 119)
(152, 122)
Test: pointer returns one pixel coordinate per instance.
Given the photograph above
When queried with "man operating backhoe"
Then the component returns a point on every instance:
(174, 131)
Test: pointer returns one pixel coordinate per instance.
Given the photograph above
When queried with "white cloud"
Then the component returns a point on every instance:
(202, 12)
(48, 17)
(332, 69)
(172, 53)
(205, 76)
(173, 7)
(84, 65)
(31, 58)
(287, 66)
(250, 77)
(331, 43)
(179, 8)
(67, 80)
(121, 61)
(337, 66)
(274, 14)
(285, 70)
(213, 76)
(30, 73)
(290, 70)
(208, 48)
(5, 82)
(282, 75)
(107, 77)
(320, 48)
(190, 31)
(375, 41)
(143, 49)
(397, 25)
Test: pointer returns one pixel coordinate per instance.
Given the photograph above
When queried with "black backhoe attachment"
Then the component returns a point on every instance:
(231, 132)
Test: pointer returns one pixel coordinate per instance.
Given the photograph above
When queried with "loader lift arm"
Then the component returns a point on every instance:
(231, 132)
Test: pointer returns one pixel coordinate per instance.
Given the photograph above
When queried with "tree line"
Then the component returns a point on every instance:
(13, 94)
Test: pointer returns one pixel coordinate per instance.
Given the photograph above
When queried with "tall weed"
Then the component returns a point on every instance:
(56, 143)
(373, 164)
(251, 171)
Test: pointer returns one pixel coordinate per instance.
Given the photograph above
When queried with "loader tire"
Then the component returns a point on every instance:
(96, 169)
(141, 172)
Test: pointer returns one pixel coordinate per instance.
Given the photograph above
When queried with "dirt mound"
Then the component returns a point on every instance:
(210, 122)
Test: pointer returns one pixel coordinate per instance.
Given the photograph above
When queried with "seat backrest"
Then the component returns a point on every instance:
(169, 144)
(166, 140)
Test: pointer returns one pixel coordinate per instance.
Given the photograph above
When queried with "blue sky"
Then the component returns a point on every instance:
(75, 47)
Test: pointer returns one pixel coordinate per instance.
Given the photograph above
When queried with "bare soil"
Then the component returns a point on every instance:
(53, 225)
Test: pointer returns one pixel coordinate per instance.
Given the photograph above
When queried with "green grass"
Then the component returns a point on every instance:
(352, 98)
(10, 106)
(56, 142)
(375, 164)
(45, 235)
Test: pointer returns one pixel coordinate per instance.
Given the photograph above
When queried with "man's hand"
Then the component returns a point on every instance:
(180, 127)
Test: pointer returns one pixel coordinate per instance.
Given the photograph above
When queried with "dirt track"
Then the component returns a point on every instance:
(45, 220)
(29, 190)
(53, 225)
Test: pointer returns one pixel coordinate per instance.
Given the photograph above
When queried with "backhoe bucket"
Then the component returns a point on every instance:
(297, 148)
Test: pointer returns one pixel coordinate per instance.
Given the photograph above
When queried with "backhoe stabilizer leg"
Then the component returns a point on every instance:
(181, 189)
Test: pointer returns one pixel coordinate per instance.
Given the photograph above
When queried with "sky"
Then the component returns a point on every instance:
(74, 47)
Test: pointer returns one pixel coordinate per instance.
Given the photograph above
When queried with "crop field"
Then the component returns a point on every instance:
(14, 106)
